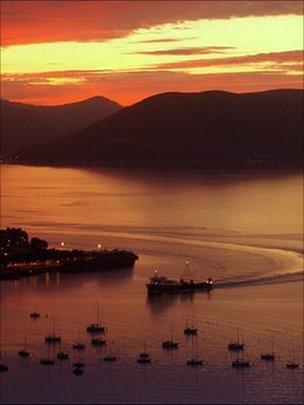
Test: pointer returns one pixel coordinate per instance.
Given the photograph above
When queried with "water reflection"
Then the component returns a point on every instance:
(54, 281)
(161, 303)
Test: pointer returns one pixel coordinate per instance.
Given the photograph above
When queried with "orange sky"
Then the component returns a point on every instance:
(55, 52)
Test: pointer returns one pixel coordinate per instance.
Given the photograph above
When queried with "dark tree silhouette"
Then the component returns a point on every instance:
(37, 243)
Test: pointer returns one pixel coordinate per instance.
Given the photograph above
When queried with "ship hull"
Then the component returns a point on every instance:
(154, 289)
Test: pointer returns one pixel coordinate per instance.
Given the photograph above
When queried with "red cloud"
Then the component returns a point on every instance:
(48, 21)
(127, 88)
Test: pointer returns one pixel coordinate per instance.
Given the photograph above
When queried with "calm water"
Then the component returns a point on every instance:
(244, 231)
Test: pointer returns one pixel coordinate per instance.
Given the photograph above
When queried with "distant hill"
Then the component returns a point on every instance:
(23, 125)
(213, 129)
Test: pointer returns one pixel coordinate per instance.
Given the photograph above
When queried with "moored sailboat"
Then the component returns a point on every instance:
(96, 327)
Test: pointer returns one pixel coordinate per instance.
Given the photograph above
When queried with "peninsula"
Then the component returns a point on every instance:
(21, 257)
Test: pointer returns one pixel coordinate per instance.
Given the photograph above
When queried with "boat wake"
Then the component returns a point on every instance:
(260, 280)
(286, 265)
(278, 264)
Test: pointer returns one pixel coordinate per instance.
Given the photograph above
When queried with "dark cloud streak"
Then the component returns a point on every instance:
(188, 51)
(50, 21)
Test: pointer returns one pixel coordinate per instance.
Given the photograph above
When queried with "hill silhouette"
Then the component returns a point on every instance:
(23, 125)
(211, 129)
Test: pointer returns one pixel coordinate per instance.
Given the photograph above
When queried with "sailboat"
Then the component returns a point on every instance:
(78, 371)
(240, 363)
(236, 345)
(269, 356)
(190, 330)
(110, 357)
(195, 360)
(62, 355)
(79, 363)
(144, 357)
(53, 338)
(170, 344)
(47, 361)
(24, 352)
(98, 342)
(96, 327)
(78, 345)
(34, 315)
(292, 364)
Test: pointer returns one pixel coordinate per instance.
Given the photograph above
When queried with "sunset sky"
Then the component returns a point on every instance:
(55, 52)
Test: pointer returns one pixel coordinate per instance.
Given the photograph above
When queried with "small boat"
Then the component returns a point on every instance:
(3, 368)
(62, 356)
(269, 356)
(195, 362)
(34, 315)
(53, 338)
(236, 345)
(109, 358)
(78, 371)
(96, 327)
(78, 364)
(47, 362)
(292, 365)
(240, 363)
(190, 330)
(144, 357)
(24, 352)
(170, 344)
(144, 360)
(98, 342)
(78, 346)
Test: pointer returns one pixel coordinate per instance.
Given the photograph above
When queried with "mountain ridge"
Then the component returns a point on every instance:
(206, 128)
(24, 125)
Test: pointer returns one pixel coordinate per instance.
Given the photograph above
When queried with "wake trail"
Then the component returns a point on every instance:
(289, 263)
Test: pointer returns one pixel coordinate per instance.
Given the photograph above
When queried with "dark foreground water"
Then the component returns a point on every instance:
(244, 231)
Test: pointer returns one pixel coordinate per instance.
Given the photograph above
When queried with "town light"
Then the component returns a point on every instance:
(99, 246)
(62, 244)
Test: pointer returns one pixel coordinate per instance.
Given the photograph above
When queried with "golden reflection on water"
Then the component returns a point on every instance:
(75, 199)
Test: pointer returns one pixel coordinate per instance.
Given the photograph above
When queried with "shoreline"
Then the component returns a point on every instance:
(191, 169)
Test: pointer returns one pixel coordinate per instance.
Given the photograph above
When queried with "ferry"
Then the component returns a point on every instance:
(160, 285)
